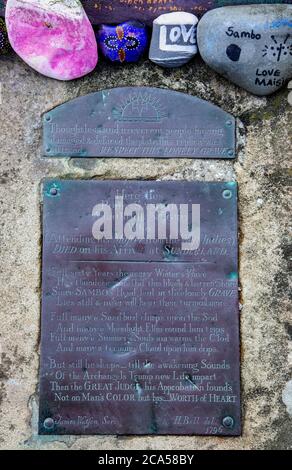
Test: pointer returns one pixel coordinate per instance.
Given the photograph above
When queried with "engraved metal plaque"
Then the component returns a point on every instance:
(140, 320)
(116, 11)
(139, 122)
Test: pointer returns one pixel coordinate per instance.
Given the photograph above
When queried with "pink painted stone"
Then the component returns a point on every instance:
(54, 37)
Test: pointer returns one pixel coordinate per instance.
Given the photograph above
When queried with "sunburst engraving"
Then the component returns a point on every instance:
(140, 107)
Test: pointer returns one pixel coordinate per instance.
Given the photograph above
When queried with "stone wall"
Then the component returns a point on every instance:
(262, 171)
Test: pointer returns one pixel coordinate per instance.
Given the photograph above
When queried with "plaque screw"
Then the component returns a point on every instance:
(48, 149)
(53, 191)
(49, 424)
(48, 118)
(228, 422)
(229, 123)
(230, 153)
(227, 194)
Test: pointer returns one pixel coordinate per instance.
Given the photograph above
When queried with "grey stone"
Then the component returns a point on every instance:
(249, 45)
(174, 39)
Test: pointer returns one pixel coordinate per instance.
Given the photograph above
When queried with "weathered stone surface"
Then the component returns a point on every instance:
(250, 45)
(126, 42)
(287, 397)
(174, 39)
(262, 171)
(54, 38)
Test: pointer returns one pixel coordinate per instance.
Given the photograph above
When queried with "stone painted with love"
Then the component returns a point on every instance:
(53, 37)
(126, 42)
(174, 39)
(249, 45)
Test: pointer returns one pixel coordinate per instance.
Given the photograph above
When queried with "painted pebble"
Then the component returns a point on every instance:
(53, 37)
(249, 45)
(4, 42)
(126, 42)
(174, 39)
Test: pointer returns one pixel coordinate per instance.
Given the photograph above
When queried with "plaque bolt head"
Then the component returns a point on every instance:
(230, 153)
(227, 194)
(228, 422)
(228, 123)
(48, 118)
(49, 424)
(53, 191)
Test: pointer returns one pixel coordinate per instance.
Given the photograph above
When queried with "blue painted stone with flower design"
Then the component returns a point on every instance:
(126, 42)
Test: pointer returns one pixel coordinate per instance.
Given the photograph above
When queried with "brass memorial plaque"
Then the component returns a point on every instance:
(140, 318)
(139, 122)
